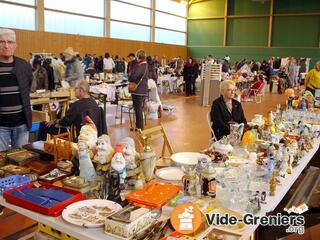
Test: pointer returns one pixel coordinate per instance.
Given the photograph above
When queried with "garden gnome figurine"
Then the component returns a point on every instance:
(89, 133)
(104, 150)
(87, 170)
(129, 153)
(118, 163)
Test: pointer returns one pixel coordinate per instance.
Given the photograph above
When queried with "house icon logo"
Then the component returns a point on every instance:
(186, 218)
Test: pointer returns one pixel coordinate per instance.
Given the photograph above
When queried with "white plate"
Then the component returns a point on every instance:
(91, 204)
(188, 158)
(170, 174)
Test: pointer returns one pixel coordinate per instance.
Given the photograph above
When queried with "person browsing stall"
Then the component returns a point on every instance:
(85, 106)
(226, 110)
(74, 70)
(139, 77)
(15, 85)
(312, 80)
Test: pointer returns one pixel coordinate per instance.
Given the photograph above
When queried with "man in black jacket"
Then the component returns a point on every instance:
(15, 84)
(85, 106)
(226, 110)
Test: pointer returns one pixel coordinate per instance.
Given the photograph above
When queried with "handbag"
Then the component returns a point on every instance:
(133, 86)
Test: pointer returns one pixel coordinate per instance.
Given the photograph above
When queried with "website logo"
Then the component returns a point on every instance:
(186, 218)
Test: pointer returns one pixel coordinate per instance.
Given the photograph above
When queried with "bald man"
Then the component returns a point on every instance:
(75, 114)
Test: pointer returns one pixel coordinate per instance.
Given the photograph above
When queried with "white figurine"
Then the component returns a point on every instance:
(129, 153)
(89, 133)
(104, 150)
(284, 162)
(118, 164)
(87, 170)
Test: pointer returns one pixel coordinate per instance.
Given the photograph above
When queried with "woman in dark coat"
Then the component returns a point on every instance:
(139, 75)
(188, 75)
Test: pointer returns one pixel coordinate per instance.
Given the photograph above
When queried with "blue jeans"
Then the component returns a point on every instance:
(14, 136)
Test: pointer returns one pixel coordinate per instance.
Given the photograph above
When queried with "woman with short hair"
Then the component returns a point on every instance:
(226, 110)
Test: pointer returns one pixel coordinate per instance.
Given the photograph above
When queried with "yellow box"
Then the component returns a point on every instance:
(54, 233)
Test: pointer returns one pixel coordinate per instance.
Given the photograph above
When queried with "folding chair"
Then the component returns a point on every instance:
(153, 134)
(210, 122)
(257, 93)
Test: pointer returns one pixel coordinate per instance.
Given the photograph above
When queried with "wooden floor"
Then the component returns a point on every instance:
(187, 127)
(187, 130)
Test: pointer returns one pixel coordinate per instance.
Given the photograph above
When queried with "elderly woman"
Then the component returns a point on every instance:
(226, 110)
(312, 80)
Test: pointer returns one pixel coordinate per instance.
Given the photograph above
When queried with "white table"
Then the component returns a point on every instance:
(59, 224)
(273, 201)
(171, 81)
(97, 233)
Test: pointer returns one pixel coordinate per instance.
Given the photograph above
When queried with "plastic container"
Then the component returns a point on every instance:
(153, 195)
(13, 182)
(53, 211)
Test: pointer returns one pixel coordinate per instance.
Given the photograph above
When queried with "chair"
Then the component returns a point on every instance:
(127, 105)
(153, 134)
(257, 93)
(213, 139)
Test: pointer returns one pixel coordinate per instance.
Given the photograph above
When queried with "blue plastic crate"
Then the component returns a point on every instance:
(13, 182)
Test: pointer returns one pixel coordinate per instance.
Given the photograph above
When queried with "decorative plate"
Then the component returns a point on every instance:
(188, 158)
(90, 213)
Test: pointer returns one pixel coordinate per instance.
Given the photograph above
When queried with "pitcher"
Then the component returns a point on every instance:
(236, 131)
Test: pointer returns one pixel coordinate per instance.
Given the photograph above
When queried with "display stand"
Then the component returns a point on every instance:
(210, 83)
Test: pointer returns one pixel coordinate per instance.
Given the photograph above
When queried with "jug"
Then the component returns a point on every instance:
(236, 131)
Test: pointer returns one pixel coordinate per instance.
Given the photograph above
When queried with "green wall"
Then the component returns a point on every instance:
(248, 29)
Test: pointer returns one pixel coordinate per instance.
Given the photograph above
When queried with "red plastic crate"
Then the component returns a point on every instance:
(53, 211)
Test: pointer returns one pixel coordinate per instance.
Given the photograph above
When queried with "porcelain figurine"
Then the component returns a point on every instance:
(118, 163)
(273, 185)
(104, 150)
(129, 153)
(87, 170)
(289, 169)
(269, 165)
(284, 162)
(89, 133)
(279, 153)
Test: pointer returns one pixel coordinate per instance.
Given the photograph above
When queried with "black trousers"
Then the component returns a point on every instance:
(188, 87)
(193, 85)
(138, 103)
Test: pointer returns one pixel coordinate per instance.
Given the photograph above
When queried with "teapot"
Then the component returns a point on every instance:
(223, 146)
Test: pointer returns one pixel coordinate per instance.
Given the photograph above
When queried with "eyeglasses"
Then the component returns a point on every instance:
(3, 42)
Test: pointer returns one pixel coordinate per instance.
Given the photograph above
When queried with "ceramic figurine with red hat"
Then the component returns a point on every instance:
(118, 164)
